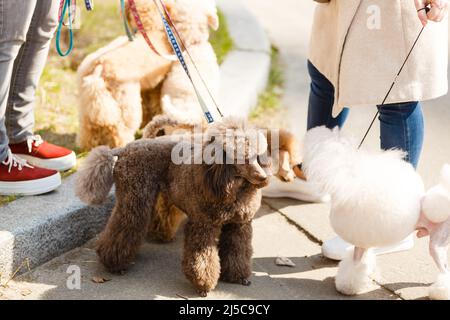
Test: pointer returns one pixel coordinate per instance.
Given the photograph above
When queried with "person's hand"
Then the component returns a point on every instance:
(438, 10)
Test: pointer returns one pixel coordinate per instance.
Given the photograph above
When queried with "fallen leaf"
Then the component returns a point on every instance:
(285, 262)
(100, 279)
(25, 292)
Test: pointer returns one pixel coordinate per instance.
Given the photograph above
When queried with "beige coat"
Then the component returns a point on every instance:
(362, 62)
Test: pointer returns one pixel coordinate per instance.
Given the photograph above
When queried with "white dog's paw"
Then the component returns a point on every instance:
(354, 278)
(440, 290)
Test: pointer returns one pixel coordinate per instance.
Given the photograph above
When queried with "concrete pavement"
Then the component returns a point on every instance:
(157, 274)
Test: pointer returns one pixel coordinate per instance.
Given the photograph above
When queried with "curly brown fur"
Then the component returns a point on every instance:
(95, 177)
(220, 202)
(162, 125)
(165, 220)
(151, 105)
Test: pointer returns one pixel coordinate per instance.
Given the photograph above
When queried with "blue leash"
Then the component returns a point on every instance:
(65, 5)
(89, 5)
(125, 22)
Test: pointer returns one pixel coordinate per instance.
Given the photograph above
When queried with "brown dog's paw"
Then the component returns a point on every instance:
(202, 293)
(246, 282)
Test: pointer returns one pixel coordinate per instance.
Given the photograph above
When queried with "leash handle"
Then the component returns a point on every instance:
(393, 83)
(65, 5)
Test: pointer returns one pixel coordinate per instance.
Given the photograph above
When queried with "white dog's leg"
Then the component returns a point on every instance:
(439, 246)
(354, 272)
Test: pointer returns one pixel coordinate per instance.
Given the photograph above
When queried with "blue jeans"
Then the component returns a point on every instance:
(401, 124)
(26, 29)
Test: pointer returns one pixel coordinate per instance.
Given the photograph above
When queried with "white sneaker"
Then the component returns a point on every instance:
(298, 189)
(337, 248)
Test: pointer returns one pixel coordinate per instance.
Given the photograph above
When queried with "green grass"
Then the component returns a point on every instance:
(269, 102)
(221, 40)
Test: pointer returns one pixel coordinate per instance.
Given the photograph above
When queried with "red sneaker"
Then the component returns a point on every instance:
(17, 177)
(45, 155)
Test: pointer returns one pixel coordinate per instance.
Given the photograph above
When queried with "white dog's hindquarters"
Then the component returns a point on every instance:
(354, 273)
(440, 290)
(375, 196)
(436, 203)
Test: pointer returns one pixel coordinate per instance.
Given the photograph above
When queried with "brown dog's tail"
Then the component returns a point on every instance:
(158, 125)
(95, 178)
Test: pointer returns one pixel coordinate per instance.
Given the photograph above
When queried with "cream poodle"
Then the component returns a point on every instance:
(377, 199)
(121, 84)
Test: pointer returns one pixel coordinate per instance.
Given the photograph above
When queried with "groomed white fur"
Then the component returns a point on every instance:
(375, 197)
(436, 203)
(353, 278)
(440, 290)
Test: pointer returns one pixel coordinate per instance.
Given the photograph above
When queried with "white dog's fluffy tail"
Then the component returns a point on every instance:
(436, 203)
(333, 162)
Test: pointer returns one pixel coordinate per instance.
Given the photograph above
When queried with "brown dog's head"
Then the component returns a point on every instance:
(240, 158)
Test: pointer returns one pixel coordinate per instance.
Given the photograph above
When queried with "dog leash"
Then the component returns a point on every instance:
(190, 58)
(172, 35)
(89, 5)
(427, 9)
(141, 29)
(65, 5)
(168, 24)
(68, 7)
(125, 22)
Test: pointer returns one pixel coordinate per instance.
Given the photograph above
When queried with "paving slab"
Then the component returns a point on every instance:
(311, 217)
(408, 273)
(157, 274)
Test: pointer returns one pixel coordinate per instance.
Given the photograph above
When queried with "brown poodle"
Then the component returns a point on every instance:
(282, 144)
(282, 147)
(220, 199)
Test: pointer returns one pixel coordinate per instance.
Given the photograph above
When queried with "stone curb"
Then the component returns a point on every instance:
(37, 229)
(245, 71)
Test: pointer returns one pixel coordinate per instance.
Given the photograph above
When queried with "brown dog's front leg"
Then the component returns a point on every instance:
(235, 251)
(201, 257)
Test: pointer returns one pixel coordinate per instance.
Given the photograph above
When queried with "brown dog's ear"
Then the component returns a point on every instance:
(218, 180)
(213, 19)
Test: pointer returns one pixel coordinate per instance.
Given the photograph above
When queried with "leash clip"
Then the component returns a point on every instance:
(427, 9)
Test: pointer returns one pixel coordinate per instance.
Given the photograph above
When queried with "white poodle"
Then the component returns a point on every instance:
(376, 200)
